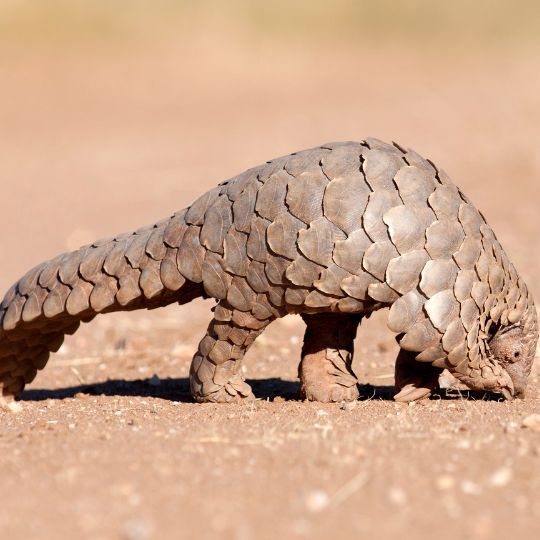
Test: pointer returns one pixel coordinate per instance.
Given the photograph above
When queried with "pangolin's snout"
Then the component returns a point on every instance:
(519, 379)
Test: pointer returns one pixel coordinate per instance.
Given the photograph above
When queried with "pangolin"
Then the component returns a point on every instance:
(331, 233)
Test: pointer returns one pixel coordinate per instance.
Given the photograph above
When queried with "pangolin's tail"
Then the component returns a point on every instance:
(131, 271)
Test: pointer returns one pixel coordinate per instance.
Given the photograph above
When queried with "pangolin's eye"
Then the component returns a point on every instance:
(516, 354)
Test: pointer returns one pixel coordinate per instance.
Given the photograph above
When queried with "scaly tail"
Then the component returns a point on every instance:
(131, 271)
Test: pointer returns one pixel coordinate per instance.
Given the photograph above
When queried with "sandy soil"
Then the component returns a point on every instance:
(107, 443)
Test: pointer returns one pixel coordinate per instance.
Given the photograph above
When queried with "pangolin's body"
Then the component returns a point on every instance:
(332, 233)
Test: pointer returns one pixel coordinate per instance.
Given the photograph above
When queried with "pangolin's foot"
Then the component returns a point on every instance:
(414, 380)
(326, 377)
(234, 390)
(325, 370)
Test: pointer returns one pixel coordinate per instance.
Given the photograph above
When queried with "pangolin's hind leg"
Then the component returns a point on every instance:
(325, 370)
(414, 380)
(215, 373)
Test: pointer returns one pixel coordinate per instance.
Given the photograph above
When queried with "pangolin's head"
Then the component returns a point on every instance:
(514, 348)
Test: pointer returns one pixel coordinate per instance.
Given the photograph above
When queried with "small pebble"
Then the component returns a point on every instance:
(136, 529)
(532, 422)
(510, 427)
(470, 488)
(445, 482)
(154, 380)
(15, 407)
(397, 496)
(349, 405)
(463, 444)
(501, 478)
(317, 500)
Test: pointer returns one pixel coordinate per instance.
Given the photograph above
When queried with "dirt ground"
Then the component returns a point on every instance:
(107, 444)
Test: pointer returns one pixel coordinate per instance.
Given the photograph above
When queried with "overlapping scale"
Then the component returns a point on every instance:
(317, 242)
(271, 196)
(444, 238)
(380, 202)
(282, 235)
(349, 254)
(405, 228)
(217, 221)
(345, 200)
(404, 272)
(380, 166)
(305, 194)
(438, 275)
(414, 185)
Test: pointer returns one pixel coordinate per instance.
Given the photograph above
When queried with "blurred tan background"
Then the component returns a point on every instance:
(114, 114)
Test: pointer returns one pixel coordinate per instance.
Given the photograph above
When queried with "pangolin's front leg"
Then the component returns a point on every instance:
(215, 374)
(325, 370)
(414, 380)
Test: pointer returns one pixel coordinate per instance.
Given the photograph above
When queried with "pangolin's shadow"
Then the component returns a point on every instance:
(172, 389)
(267, 389)
(386, 393)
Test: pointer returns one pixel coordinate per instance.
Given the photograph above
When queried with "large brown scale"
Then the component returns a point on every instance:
(332, 233)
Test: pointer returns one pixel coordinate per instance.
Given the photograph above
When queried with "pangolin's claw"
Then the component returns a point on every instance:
(412, 393)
